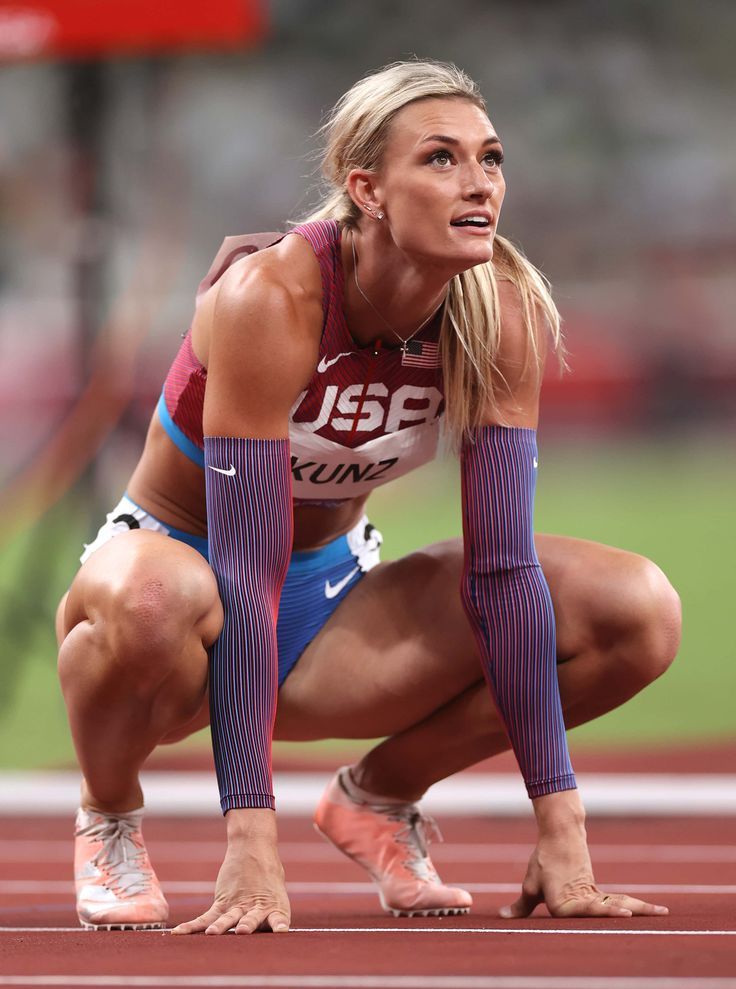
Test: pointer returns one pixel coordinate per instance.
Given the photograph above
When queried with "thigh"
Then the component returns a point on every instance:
(400, 646)
(596, 590)
(396, 649)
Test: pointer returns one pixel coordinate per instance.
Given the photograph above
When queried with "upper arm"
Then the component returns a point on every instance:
(262, 331)
(520, 362)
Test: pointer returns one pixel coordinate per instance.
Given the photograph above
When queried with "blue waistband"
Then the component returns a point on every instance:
(303, 560)
(177, 437)
(313, 559)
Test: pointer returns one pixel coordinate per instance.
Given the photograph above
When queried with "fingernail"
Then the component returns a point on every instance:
(505, 912)
(661, 910)
(281, 928)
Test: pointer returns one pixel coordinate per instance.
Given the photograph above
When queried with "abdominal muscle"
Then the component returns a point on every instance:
(170, 486)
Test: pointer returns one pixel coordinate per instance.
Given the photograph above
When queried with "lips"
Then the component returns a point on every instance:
(473, 221)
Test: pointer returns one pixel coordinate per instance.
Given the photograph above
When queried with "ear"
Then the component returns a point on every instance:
(361, 187)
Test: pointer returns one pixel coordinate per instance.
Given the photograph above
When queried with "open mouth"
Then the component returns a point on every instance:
(472, 223)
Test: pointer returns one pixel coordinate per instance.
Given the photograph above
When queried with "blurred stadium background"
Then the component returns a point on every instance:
(134, 136)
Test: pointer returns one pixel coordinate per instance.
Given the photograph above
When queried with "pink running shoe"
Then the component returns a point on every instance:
(390, 841)
(117, 889)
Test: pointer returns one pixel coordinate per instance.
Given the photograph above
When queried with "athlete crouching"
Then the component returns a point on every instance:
(320, 365)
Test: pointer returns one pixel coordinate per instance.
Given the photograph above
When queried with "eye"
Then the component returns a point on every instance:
(494, 159)
(440, 158)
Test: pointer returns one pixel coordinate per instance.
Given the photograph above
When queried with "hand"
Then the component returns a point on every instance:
(250, 894)
(560, 875)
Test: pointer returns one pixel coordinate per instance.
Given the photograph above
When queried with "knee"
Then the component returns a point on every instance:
(145, 617)
(653, 620)
(150, 614)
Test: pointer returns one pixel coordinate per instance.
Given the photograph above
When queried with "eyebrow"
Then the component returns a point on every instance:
(444, 139)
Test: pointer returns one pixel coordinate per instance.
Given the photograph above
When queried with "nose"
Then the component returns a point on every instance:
(478, 184)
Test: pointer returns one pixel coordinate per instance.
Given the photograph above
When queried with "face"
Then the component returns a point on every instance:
(440, 183)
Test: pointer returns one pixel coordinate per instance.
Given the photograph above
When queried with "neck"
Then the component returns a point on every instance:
(393, 295)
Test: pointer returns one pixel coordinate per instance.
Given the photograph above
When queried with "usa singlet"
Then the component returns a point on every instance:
(368, 415)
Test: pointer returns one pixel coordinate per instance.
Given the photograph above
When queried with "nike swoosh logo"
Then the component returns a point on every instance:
(324, 364)
(536, 463)
(230, 472)
(332, 590)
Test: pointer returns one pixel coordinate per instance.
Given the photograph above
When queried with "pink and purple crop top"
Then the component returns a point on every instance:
(366, 417)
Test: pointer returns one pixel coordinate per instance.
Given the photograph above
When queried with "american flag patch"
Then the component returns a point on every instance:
(421, 353)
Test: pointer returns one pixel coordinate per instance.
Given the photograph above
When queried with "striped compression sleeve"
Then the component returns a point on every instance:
(508, 602)
(250, 531)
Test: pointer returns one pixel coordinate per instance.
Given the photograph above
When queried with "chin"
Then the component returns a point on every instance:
(456, 258)
(476, 254)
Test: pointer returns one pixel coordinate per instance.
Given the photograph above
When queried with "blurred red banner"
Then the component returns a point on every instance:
(32, 29)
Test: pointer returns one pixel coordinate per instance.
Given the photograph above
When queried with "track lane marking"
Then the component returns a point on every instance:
(40, 887)
(48, 793)
(561, 931)
(376, 981)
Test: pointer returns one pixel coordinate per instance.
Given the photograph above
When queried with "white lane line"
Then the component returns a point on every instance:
(297, 794)
(375, 981)
(513, 930)
(552, 931)
(39, 850)
(42, 887)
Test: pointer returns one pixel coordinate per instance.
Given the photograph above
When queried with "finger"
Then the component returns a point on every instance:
(523, 907)
(252, 920)
(225, 922)
(278, 921)
(594, 905)
(639, 907)
(199, 924)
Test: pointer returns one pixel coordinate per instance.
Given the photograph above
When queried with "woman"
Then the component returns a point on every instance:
(317, 369)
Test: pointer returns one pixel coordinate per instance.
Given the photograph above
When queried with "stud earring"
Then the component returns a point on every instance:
(380, 214)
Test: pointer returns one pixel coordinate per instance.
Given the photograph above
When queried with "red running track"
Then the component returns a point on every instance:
(341, 938)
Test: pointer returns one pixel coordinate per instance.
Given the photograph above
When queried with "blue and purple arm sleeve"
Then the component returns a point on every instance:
(250, 530)
(508, 602)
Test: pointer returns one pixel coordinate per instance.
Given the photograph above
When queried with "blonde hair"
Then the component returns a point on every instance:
(355, 137)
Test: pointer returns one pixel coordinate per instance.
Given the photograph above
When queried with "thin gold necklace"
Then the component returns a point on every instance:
(402, 340)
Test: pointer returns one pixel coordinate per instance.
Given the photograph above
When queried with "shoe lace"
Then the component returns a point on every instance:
(122, 858)
(418, 831)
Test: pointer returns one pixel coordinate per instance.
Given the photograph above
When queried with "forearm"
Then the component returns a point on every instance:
(250, 534)
(508, 603)
(511, 614)
(243, 706)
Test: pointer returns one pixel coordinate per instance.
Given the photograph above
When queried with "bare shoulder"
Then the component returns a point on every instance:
(262, 324)
(269, 299)
(289, 265)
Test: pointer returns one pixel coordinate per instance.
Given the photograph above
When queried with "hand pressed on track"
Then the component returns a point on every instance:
(250, 894)
(560, 875)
